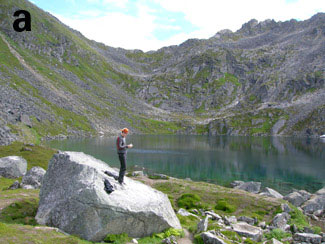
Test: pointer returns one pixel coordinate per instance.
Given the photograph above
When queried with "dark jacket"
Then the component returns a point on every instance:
(121, 144)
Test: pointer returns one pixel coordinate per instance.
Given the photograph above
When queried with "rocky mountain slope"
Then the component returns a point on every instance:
(266, 78)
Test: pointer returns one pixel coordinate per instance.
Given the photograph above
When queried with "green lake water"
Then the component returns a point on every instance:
(280, 163)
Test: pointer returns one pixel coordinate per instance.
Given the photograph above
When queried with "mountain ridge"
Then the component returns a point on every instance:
(236, 83)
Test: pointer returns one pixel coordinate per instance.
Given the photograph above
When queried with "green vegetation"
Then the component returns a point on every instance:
(277, 234)
(224, 206)
(209, 194)
(39, 156)
(20, 212)
(117, 239)
(189, 201)
(188, 222)
(297, 218)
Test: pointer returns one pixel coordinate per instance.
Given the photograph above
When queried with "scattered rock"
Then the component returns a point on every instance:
(229, 220)
(236, 183)
(305, 194)
(202, 226)
(28, 187)
(308, 230)
(73, 198)
(209, 238)
(294, 228)
(308, 238)
(275, 241)
(248, 220)
(262, 225)
(321, 191)
(134, 241)
(285, 208)
(33, 177)
(269, 192)
(319, 213)
(137, 173)
(244, 229)
(26, 149)
(169, 240)
(185, 213)
(25, 120)
(295, 198)
(317, 202)
(213, 215)
(13, 166)
(280, 221)
(253, 187)
(14, 186)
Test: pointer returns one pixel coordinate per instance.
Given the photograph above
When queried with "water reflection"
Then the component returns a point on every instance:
(280, 163)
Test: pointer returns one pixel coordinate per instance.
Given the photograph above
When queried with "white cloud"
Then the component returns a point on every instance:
(209, 16)
(117, 3)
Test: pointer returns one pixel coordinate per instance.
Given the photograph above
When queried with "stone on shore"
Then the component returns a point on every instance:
(269, 192)
(295, 198)
(253, 187)
(73, 198)
(13, 167)
(33, 178)
(316, 203)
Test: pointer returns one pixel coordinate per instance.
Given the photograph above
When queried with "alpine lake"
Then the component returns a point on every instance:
(281, 163)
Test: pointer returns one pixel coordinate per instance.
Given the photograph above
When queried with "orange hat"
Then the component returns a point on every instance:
(125, 130)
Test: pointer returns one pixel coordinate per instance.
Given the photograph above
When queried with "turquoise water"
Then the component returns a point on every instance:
(279, 163)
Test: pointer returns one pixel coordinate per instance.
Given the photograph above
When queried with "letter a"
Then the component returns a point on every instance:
(26, 20)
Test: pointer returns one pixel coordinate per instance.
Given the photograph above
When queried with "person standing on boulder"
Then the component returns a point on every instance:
(121, 151)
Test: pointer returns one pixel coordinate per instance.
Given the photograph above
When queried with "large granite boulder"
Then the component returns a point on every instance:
(73, 198)
(13, 167)
(253, 187)
(33, 178)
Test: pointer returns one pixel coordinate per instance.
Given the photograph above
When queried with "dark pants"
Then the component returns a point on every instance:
(122, 158)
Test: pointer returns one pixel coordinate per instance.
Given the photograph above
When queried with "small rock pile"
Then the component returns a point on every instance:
(15, 167)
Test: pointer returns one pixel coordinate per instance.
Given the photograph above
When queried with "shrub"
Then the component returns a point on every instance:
(117, 239)
(189, 201)
(277, 234)
(198, 239)
(224, 206)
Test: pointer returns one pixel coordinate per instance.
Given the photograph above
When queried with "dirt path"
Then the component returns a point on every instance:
(187, 239)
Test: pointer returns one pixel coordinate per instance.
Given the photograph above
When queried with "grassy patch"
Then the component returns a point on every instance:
(117, 239)
(277, 234)
(297, 218)
(189, 201)
(188, 222)
(223, 205)
(20, 212)
(39, 156)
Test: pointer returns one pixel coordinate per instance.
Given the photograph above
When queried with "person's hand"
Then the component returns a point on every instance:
(130, 145)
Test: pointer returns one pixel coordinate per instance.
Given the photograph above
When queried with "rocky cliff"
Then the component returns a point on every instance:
(266, 78)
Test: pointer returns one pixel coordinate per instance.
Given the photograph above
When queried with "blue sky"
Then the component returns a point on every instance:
(152, 24)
